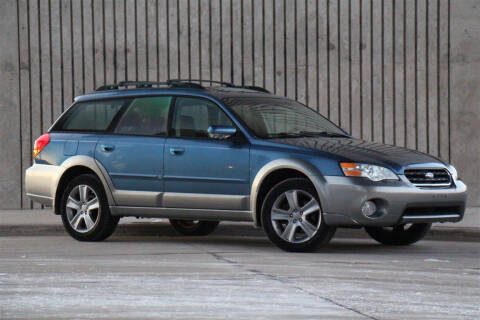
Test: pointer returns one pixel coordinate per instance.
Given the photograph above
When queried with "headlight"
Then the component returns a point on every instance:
(370, 171)
(453, 172)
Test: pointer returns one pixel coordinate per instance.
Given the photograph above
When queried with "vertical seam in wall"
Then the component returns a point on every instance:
(62, 91)
(317, 59)
(136, 38)
(448, 85)
(157, 35)
(209, 39)
(274, 48)
(93, 46)
(51, 60)
(40, 65)
(114, 43)
(71, 49)
(438, 84)
(252, 28)
(372, 122)
(405, 74)
(199, 22)
(394, 105)
(83, 46)
(350, 64)
(189, 41)
(242, 43)
(416, 74)
(263, 45)
(146, 42)
(232, 64)
(361, 67)
(382, 52)
(295, 41)
(178, 41)
(427, 79)
(19, 105)
(167, 12)
(306, 53)
(328, 58)
(125, 46)
(339, 65)
(285, 46)
(221, 38)
(104, 45)
(30, 87)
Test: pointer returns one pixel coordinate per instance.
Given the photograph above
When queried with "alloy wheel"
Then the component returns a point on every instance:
(296, 216)
(83, 208)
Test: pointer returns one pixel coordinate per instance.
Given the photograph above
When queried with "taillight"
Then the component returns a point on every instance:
(41, 143)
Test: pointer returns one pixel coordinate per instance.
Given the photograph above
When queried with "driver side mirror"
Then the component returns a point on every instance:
(221, 132)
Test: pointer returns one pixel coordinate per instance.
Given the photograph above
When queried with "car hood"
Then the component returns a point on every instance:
(357, 150)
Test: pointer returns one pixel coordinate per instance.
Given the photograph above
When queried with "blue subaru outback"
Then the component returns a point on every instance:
(199, 154)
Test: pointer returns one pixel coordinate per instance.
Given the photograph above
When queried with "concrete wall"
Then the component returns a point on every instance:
(393, 71)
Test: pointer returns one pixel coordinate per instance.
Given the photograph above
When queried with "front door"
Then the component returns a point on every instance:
(202, 172)
(133, 154)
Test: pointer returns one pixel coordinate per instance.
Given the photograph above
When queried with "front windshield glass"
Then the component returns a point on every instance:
(276, 118)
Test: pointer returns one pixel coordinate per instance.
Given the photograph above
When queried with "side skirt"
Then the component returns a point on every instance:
(181, 213)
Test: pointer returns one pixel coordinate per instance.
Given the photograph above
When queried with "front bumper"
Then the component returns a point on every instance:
(398, 201)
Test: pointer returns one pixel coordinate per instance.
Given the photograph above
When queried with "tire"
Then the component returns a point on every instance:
(194, 228)
(83, 218)
(281, 214)
(399, 235)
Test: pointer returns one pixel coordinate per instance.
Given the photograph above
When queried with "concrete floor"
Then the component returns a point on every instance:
(235, 277)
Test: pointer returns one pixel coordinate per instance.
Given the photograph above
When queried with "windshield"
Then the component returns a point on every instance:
(276, 118)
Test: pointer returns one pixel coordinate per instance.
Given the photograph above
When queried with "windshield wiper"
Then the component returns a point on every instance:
(284, 135)
(324, 134)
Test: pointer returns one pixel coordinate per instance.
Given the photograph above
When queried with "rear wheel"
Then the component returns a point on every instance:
(194, 227)
(84, 209)
(292, 218)
(400, 235)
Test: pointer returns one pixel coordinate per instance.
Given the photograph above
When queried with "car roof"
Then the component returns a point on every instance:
(216, 92)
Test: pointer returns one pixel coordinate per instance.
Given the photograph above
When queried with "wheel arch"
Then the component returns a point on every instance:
(279, 170)
(76, 166)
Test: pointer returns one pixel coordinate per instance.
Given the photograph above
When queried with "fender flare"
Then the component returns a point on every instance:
(92, 164)
(302, 166)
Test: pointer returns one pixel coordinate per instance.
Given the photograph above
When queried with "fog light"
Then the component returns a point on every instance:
(368, 208)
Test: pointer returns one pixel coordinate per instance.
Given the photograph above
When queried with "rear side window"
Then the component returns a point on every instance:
(90, 116)
(145, 116)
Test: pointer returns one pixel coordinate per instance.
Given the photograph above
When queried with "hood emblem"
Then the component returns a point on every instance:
(429, 175)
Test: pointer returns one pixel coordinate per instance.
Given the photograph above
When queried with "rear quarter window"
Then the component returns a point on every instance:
(90, 115)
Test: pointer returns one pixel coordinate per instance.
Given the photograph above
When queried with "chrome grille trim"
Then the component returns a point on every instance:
(429, 177)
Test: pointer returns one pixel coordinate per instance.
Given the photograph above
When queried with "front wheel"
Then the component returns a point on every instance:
(400, 235)
(292, 218)
(193, 227)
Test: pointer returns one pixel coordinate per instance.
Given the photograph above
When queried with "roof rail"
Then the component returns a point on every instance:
(222, 83)
(175, 83)
(136, 84)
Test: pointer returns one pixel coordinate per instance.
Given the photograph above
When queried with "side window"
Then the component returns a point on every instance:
(193, 116)
(91, 115)
(145, 116)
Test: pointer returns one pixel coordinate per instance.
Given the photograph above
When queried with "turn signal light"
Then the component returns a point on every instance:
(41, 143)
(351, 169)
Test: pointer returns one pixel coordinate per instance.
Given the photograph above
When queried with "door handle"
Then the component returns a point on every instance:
(177, 151)
(107, 147)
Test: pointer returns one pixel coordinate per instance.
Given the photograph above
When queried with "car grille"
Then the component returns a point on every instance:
(429, 177)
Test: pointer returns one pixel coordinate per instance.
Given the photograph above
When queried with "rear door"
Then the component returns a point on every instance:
(133, 153)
